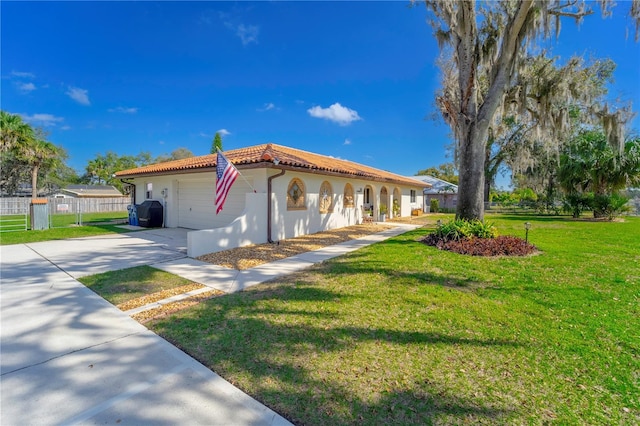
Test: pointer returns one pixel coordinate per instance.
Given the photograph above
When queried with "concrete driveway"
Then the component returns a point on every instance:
(70, 357)
(91, 255)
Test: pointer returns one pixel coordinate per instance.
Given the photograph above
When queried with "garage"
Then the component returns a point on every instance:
(196, 204)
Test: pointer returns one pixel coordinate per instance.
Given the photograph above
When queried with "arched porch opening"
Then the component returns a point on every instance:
(396, 203)
(384, 202)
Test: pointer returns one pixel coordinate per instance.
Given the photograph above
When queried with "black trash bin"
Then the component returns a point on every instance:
(150, 214)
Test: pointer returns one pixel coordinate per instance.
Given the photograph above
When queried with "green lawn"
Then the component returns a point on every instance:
(401, 333)
(127, 284)
(60, 220)
(22, 237)
(63, 227)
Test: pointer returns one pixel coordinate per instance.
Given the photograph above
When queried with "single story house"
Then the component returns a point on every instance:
(281, 193)
(88, 191)
(445, 192)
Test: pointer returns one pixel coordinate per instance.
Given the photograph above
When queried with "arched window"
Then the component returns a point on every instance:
(295, 195)
(349, 200)
(325, 202)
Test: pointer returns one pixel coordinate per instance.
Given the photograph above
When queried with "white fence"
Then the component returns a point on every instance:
(20, 205)
(62, 212)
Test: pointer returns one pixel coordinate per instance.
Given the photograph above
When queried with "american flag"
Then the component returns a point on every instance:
(226, 174)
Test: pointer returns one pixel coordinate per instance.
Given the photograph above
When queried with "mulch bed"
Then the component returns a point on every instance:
(499, 246)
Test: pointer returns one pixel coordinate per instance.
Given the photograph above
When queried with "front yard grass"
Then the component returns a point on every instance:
(126, 285)
(29, 236)
(402, 333)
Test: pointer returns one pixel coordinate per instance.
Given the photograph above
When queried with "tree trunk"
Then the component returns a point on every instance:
(34, 181)
(471, 184)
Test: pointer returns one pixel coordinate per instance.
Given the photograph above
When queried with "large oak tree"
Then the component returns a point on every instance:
(488, 42)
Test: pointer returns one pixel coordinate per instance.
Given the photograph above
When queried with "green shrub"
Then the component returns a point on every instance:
(609, 206)
(577, 203)
(459, 229)
(435, 205)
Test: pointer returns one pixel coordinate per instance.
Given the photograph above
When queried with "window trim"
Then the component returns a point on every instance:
(300, 203)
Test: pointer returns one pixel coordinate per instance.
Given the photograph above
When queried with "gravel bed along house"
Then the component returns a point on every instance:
(250, 256)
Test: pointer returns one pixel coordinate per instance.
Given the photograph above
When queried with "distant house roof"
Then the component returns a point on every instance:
(92, 191)
(438, 186)
(268, 155)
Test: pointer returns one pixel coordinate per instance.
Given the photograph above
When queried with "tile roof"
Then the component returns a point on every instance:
(264, 155)
(92, 190)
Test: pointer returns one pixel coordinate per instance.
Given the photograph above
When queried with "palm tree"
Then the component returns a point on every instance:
(38, 153)
(590, 164)
(13, 131)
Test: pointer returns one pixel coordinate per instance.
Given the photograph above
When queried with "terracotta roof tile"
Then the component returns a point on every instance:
(266, 154)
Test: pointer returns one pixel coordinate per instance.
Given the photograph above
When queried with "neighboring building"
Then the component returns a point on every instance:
(283, 192)
(445, 192)
(88, 191)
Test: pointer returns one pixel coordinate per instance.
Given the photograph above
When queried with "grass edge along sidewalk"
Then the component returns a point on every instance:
(399, 332)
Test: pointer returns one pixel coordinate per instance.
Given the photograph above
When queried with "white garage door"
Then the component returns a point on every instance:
(196, 204)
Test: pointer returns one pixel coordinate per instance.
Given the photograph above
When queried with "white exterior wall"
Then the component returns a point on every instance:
(248, 228)
(190, 199)
(293, 223)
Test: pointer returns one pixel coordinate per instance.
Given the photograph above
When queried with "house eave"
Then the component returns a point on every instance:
(271, 165)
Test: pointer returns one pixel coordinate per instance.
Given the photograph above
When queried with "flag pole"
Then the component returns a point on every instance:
(245, 179)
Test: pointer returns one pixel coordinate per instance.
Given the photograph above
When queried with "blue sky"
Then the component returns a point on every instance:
(355, 80)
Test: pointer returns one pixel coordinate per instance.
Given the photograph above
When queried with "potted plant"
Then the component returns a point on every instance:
(396, 208)
(383, 212)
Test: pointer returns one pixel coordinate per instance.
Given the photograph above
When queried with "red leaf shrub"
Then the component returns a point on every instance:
(499, 246)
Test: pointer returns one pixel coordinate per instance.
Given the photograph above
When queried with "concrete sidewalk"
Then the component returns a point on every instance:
(231, 280)
(70, 357)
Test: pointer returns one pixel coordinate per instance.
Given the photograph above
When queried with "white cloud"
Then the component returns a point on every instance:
(124, 110)
(161, 142)
(65, 128)
(267, 107)
(81, 96)
(26, 87)
(347, 141)
(336, 113)
(42, 119)
(23, 74)
(247, 33)
(224, 132)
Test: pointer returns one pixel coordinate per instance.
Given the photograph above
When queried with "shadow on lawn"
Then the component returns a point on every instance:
(293, 346)
(532, 217)
(361, 263)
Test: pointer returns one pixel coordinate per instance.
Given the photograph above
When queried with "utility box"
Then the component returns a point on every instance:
(150, 214)
(39, 213)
